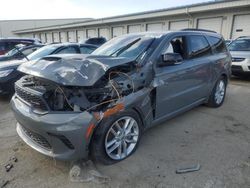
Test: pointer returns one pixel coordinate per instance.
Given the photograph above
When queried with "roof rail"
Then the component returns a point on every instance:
(243, 37)
(204, 30)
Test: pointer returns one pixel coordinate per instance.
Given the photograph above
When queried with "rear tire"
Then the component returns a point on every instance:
(116, 137)
(218, 94)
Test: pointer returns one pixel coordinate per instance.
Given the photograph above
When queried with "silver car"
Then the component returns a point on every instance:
(79, 106)
(240, 51)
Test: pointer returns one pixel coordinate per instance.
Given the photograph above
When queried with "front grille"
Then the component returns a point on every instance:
(237, 59)
(236, 68)
(32, 99)
(40, 140)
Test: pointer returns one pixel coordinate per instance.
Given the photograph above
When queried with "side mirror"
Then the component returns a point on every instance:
(171, 59)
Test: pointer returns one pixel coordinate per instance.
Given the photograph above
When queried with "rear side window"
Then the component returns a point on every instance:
(198, 46)
(67, 50)
(86, 50)
(2, 46)
(29, 50)
(217, 44)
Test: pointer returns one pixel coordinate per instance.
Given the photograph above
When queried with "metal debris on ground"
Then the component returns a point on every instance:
(188, 169)
(14, 159)
(3, 183)
(85, 172)
(8, 167)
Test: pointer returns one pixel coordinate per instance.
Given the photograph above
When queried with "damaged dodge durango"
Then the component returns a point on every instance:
(97, 106)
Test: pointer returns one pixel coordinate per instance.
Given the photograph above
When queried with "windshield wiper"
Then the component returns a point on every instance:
(22, 53)
(122, 49)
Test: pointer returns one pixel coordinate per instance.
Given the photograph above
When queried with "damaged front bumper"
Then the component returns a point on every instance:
(63, 136)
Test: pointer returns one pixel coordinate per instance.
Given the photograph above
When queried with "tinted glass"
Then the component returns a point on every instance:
(2, 46)
(29, 50)
(86, 50)
(217, 44)
(67, 50)
(240, 45)
(198, 47)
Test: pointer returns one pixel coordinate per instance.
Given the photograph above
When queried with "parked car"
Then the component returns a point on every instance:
(10, 43)
(8, 69)
(240, 51)
(19, 52)
(98, 41)
(228, 41)
(98, 105)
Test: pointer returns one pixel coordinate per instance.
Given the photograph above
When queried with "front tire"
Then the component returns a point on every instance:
(218, 94)
(116, 138)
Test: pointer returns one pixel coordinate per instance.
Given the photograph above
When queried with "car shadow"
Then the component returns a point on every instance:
(241, 78)
(5, 98)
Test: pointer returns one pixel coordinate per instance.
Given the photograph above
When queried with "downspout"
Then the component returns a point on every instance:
(190, 16)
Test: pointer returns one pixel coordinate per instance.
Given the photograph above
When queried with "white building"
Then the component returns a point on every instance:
(8, 26)
(231, 18)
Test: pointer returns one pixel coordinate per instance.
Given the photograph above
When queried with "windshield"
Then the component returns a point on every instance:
(240, 45)
(12, 52)
(125, 46)
(42, 52)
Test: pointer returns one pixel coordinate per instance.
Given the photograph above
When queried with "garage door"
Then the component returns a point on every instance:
(214, 24)
(241, 26)
(56, 37)
(43, 38)
(117, 31)
(178, 25)
(104, 32)
(37, 36)
(91, 33)
(49, 37)
(71, 36)
(134, 28)
(155, 27)
(64, 37)
(81, 35)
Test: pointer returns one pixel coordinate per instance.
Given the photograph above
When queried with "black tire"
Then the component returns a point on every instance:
(212, 102)
(97, 146)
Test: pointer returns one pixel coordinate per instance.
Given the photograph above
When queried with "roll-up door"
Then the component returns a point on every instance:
(214, 24)
(241, 26)
(155, 27)
(134, 28)
(104, 32)
(72, 36)
(178, 25)
(117, 31)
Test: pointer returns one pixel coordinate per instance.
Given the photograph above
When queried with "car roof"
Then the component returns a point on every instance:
(159, 34)
(18, 39)
(31, 46)
(89, 45)
(63, 44)
(243, 37)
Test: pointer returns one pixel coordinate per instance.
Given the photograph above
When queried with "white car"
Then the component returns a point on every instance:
(240, 51)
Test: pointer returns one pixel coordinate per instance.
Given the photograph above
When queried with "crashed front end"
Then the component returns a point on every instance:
(61, 101)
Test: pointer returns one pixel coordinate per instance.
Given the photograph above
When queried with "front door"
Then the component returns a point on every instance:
(183, 84)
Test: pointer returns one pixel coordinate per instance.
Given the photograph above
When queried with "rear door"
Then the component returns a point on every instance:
(181, 86)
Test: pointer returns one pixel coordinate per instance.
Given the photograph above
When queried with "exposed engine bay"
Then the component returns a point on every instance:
(46, 95)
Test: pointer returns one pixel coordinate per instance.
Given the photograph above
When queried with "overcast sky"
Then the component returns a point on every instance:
(46, 9)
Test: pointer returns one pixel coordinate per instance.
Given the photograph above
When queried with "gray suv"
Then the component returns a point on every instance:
(72, 107)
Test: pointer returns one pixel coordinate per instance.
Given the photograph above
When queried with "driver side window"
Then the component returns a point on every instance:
(178, 45)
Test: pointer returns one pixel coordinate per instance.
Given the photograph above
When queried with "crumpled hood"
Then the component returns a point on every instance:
(72, 70)
(11, 64)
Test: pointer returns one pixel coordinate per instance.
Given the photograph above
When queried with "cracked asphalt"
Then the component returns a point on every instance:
(217, 139)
